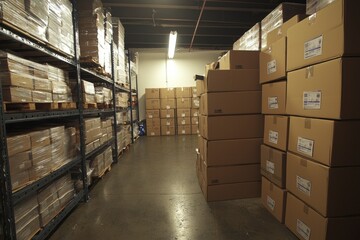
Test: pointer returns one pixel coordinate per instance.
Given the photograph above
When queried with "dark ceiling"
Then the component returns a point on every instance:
(148, 23)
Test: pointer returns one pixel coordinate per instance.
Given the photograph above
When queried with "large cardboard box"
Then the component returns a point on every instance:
(168, 103)
(273, 199)
(168, 122)
(200, 86)
(16, 80)
(307, 224)
(273, 61)
(183, 121)
(333, 143)
(167, 113)
(40, 138)
(273, 165)
(153, 130)
(18, 143)
(167, 92)
(274, 98)
(183, 112)
(195, 102)
(155, 122)
(17, 94)
(167, 130)
(232, 80)
(234, 59)
(230, 152)
(152, 104)
(152, 93)
(325, 90)
(152, 114)
(20, 162)
(183, 92)
(195, 120)
(323, 188)
(195, 112)
(183, 102)
(184, 130)
(230, 103)
(276, 131)
(328, 34)
(194, 92)
(195, 129)
(231, 127)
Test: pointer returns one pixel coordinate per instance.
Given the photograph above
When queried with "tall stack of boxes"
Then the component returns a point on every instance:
(195, 105)
(167, 112)
(184, 103)
(231, 128)
(153, 111)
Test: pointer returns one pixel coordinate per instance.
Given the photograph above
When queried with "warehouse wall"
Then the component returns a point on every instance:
(156, 71)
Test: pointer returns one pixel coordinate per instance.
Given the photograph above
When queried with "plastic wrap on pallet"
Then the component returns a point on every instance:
(99, 98)
(41, 84)
(47, 214)
(41, 161)
(38, 9)
(312, 6)
(40, 138)
(60, 87)
(47, 195)
(58, 153)
(108, 62)
(88, 87)
(92, 135)
(66, 197)
(250, 41)
(17, 95)
(108, 27)
(71, 146)
(105, 123)
(17, 144)
(41, 97)
(20, 162)
(57, 74)
(90, 123)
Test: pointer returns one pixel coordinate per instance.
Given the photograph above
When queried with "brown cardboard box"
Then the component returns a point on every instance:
(200, 87)
(274, 98)
(210, 66)
(167, 113)
(232, 80)
(155, 122)
(183, 121)
(17, 144)
(195, 112)
(183, 92)
(16, 80)
(167, 130)
(194, 92)
(183, 102)
(323, 188)
(153, 131)
(20, 162)
(152, 114)
(195, 102)
(195, 129)
(328, 34)
(325, 90)
(168, 122)
(230, 152)
(306, 223)
(168, 103)
(276, 131)
(329, 142)
(195, 120)
(40, 138)
(184, 130)
(183, 112)
(231, 127)
(273, 61)
(18, 180)
(273, 165)
(167, 92)
(152, 93)
(92, 134)
(239, 60)
(273, 199)
(17, 94)
(152, 104)
(230, 103)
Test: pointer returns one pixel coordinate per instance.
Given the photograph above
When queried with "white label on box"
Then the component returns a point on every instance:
(152, 134)
(303, 230)
(168, 115)
(167, 123)
(270, 203)
(150, 116)
(313, 47)
(167, 132)
(183, 122)
(183, 131)
(167, 107)
(273, 103)
(196, 114)
(183, 115)
(273, 137)
(270, 167)
(271, 67)
(305, 146)
(303, 185)
(312, 100)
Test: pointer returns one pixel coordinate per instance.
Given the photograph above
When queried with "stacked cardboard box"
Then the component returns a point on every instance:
(231, 128)
(101, 162)
(106, 130)
(153, 111)
(168, 111)
(184, 103)
(323, 99)
(312, 6)
(194, 112)
(92, 129)
(60, 84)
(88, 92)
(250, 40)
(122, 99)
(119, 41)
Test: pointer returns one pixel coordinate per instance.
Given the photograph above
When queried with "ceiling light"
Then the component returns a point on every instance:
(172, 44)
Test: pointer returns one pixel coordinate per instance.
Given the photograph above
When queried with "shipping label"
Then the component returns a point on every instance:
(150, 116)
(183, 115)
(273, 103)
(312, 100)
(168, 115)
(270, 167)
(167, 132)
(313, 47)
(273, 137)
(183, 131)
(271, 67)
(303, 230)
(168, 124)
(270, 203)
(183, 122)
(305, 146)
(167, 107)
(303, 185)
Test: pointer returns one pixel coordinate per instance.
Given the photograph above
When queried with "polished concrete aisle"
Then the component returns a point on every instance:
(153, 193)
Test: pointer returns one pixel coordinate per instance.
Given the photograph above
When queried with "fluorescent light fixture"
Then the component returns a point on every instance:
(172, 44)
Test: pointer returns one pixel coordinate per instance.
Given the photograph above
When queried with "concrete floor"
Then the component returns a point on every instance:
(153, 193)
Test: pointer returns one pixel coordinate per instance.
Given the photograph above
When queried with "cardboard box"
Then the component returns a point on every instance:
(306, 223)
(195, 112)
(234, 59)
(273, 61)
(184, 130)
(168, 103)
(17, 144)
(195, 129)
(40, 138)
(195, 102)
(194, 92)
(152, 93)
(167, 113)
(18, 180)
(183, 92)
(183, 121)
(152, 114)
(200, 86)
(231, 127)
(183, 102)
(273, 165)
(273, 199)
(167, 122)
(17, 94)
(230, 103)
(153, 131)
(16, 80)
(276, 131)
(274, 98)
(20, 162)
(195, 120)
(323, 188)
(183, 112)
(167, 93)
(328, 34)
(312, 6)
(325, 90)
(152, 104)
(329, 142)
(230, 152)
(167, 130)
(155, 122)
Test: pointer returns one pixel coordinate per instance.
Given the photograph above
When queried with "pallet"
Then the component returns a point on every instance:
(108, 169)
(31, 106)
(22, 186)
(90, 105)
(104, 105)
(89, 62)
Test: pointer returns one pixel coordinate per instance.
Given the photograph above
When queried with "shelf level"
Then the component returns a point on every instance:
(100, 149)
(35, 116)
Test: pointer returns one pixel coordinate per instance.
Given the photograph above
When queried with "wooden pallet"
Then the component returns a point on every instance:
(108, 169)
(90, 105)
(31, 106)
(104, 105)
(89, 62)
(66, 105)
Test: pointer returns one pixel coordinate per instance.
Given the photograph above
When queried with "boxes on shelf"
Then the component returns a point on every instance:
(250, 40)
(103, 95)
(122, 99)
(26, 215)
(312, 6)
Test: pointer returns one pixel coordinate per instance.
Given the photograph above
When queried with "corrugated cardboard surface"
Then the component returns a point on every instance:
(274, 98)
(326, 141)
(167, 92)
(230, 103)
(306, 223)
(167, 122)
(195, 129)
(167, 130)
(152, 114)
(195, 120)
(276, 131)
(239, 60)
(167, 113)
(195, 112)
(152, 104)
(183, 121)
(200, 86)
(231, 191)
(153, 130)
(152, 93)
(168, 103)
(181, 112)
(153, 122)
(329, 34)
(326, 90)
(183, 102)
(273, 199)
(325, 189)
(184, 130)
(273, 165)
(183, 92)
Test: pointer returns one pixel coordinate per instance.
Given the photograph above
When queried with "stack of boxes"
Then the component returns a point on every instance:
(250, 40)
(184, 103)
(92, 130)
(88, 92)
(167, 112)
(101, 162)
(61, 87)
(153, 111)
(103, 96)
(231, 128)
(195, 104)
(119, 41)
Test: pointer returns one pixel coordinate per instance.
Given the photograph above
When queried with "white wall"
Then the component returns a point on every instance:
(156, 71)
